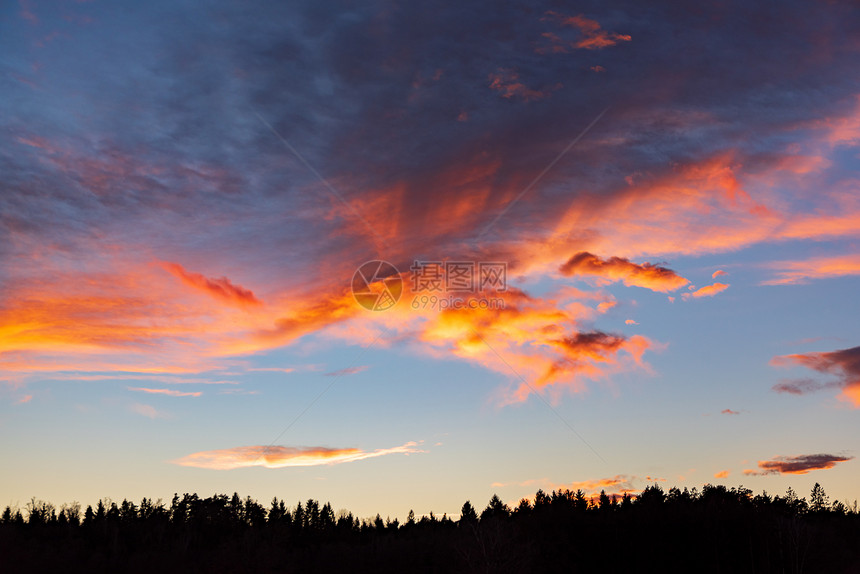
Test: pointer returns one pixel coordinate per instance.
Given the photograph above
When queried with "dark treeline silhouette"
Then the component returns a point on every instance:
(715, 530)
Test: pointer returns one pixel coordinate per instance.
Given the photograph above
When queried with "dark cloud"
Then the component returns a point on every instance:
(844, 364)
(350, 86)
(645, 275)
(800, 464)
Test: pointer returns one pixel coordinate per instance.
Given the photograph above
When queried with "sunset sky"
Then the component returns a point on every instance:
(188, 190)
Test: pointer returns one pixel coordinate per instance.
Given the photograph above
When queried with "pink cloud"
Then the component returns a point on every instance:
(168, 392)
(220, 288)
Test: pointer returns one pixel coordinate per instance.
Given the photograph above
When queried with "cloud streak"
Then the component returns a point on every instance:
(346, 371)
(220, 288)
(148, 411)
(284, 456)
(168, 392)
(800, 272)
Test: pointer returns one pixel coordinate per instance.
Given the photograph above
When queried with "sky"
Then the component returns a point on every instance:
(400, 255)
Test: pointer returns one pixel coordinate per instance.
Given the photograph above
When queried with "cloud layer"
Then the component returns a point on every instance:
(144, 237)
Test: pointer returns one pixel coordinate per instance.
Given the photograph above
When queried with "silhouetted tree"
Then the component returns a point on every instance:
(744, 533)
(468, 514)
(523, 508)
(495, 509)
(818, 500)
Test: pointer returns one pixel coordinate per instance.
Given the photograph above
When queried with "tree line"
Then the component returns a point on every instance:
(716, 529)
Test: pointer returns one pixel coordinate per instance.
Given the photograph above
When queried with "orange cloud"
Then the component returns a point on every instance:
(24, 399)
(630, 322)
(507, 83)
(138, 321)
(722, 474)
(729, 412)
(219, 288)
(800, 464)
(591, 35)
(168, 392)
(307, 315)
(605, 306)
(796, 272)
(664, 213)
(615, 487)
(718, 273)
(707, 291)
(619, 481)
(614, 269)
(283, 456)
(534, 339)
(81, 325)
(844, 363)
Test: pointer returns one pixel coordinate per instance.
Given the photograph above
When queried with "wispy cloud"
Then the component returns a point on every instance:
(220, 288)
(346, 371)
(798, 272)
(168, 392)
(147, 411)
(844, 364)
(283, 456)
(508, 84)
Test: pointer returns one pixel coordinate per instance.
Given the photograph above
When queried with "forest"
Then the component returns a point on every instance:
(717, 529)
